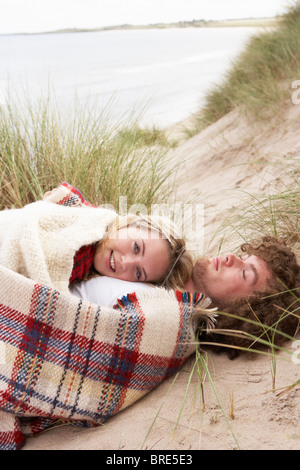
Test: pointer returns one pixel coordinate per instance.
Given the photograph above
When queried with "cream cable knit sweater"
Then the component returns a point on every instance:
(39, 241)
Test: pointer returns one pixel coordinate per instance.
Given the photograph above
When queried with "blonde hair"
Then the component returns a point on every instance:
(180, 261)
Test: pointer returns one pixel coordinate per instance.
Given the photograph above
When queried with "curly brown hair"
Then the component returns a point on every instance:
(266, 317)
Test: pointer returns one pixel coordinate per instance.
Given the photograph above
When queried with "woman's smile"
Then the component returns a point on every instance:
(133, 256)
(111, 262)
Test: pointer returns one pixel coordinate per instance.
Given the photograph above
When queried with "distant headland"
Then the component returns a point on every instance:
(262, 22)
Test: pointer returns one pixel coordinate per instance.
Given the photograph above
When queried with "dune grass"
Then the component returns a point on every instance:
(260, 78)
(41, 146)
(275, 213)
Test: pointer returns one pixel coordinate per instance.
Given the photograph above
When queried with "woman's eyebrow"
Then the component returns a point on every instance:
(143, 252)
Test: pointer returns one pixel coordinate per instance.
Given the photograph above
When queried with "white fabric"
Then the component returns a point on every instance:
(103, 290)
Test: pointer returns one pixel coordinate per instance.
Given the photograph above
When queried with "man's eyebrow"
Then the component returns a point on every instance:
(255, 274)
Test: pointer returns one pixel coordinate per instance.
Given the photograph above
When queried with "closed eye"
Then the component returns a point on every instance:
(253, 279)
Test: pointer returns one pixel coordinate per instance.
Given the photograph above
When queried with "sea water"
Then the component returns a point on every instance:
(161, 75)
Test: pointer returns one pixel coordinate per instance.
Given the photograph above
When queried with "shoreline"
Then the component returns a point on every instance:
(228, 23)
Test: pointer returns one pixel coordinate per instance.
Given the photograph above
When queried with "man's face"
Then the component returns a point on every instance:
(229, 277)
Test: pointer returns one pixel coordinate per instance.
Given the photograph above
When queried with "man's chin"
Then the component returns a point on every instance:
(201, 281)
(199, 274)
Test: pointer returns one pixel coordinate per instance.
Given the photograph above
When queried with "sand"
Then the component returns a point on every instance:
(245, 409)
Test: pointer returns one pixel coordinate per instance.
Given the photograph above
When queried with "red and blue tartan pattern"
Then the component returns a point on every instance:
(79, 362)
(72, 197)
(83, 258)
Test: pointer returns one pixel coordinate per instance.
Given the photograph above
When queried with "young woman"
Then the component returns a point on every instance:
(138, 251)
(135, 248)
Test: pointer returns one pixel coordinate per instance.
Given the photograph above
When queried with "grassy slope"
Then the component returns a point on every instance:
(260, 78)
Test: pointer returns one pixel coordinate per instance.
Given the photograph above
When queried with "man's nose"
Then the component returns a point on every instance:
(232, 260)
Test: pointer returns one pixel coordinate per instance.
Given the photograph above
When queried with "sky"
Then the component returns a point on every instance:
(17, 16)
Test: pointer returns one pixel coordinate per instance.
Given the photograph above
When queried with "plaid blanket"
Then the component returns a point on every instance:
(64, 359)
(70, 360)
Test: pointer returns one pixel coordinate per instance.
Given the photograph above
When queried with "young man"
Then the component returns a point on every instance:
(259, 289)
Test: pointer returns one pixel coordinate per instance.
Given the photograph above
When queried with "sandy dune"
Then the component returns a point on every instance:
(221, 164)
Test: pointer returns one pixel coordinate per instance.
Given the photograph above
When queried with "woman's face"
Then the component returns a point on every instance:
(132, 255)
